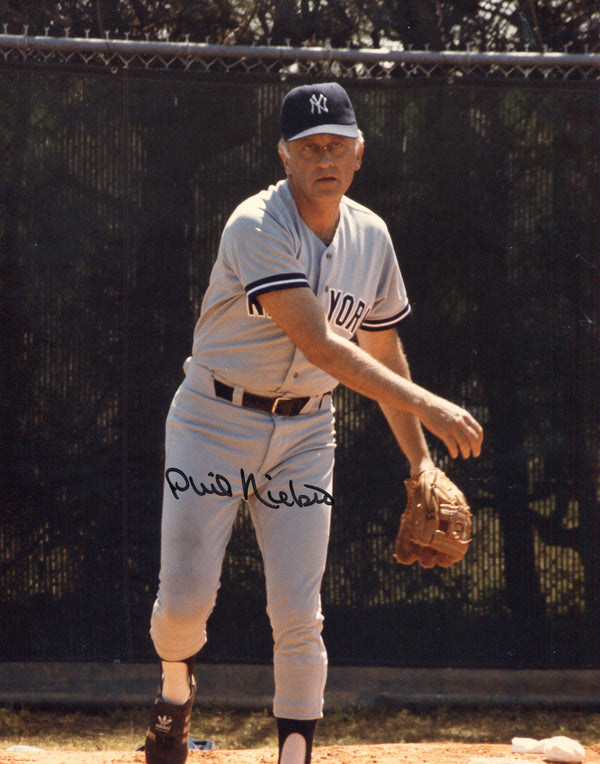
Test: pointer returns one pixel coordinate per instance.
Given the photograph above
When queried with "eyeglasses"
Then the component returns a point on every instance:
(335, 149)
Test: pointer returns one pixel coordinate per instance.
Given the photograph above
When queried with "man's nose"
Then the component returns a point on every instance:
(325, 155)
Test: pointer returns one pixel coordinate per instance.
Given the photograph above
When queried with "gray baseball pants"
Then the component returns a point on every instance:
(218, 454)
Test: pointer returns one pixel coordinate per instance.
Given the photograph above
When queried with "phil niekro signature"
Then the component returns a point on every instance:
(218, 485)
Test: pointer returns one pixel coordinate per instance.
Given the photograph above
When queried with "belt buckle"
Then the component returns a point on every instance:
(275, 404)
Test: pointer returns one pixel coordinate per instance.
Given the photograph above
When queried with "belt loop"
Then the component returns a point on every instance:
(315, 403)
(238, 394)
(322, 398)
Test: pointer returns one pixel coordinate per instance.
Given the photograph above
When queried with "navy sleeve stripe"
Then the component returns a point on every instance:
(376, 324)
(273, 283)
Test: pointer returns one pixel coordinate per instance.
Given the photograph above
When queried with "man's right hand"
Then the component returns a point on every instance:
(454, 426)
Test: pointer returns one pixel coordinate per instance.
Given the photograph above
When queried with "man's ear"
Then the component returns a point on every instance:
(284, 160)
(359, 155)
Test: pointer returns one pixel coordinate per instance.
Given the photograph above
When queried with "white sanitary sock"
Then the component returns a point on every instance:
(176, 683)
(294, 750)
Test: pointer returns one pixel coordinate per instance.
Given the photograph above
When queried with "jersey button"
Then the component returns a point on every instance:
(295, 375)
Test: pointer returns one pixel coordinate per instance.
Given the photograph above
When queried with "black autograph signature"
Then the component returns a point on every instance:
(219, 485)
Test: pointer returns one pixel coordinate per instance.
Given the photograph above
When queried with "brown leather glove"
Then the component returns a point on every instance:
(435, 527)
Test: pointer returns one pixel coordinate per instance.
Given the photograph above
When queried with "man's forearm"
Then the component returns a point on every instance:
(356, 369)
(359, 370)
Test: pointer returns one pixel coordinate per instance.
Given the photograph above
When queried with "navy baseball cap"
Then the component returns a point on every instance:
(312, 109)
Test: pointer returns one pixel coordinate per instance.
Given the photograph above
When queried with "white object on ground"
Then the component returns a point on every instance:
(562, 748)
(557, 748)
(528, 745)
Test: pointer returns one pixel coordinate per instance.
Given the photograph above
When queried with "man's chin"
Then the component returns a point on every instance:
(328, 188)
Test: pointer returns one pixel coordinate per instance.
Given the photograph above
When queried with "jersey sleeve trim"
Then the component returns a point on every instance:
(377, 324)
(273, 284)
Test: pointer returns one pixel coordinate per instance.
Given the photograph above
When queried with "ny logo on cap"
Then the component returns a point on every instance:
(318, 102)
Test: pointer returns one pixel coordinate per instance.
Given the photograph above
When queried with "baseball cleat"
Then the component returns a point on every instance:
(168, 730)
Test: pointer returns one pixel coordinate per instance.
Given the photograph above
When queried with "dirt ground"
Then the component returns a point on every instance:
(406, 753)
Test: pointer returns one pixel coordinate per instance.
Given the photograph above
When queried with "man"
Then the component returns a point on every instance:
(301, 270)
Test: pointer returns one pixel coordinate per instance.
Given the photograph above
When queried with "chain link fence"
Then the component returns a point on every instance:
(380, 64)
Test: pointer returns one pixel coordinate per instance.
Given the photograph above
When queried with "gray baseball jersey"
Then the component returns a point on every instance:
(267, 246)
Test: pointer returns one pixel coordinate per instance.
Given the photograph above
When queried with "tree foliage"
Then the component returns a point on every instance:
(419, 24)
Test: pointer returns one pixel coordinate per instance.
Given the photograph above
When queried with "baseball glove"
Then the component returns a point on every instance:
(435, 527)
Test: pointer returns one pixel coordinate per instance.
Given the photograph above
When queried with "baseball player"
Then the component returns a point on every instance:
(301, 271)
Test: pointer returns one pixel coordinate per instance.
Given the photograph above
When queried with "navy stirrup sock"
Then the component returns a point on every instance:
(190, 664)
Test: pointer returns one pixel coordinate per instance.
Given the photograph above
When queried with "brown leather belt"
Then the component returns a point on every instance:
(280, 406)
